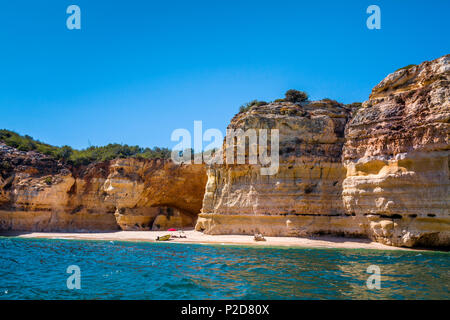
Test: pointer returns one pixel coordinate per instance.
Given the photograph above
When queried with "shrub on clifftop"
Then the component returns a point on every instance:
(295, 96)
(245, 107)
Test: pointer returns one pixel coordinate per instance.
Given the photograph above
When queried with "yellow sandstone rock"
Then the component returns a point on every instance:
(127, 194)
(390, 181)
(304, 196)
(381, 171)
(396, 155)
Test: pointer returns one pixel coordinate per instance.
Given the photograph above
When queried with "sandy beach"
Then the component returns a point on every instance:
(196, 237)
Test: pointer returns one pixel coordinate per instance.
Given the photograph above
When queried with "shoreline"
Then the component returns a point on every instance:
(196, 237)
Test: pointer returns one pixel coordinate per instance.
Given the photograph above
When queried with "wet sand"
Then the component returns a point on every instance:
(197, 237)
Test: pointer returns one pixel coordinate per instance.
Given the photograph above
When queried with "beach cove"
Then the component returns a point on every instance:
(196, 237)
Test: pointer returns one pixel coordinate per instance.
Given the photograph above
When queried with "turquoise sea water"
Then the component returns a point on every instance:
(36, 269)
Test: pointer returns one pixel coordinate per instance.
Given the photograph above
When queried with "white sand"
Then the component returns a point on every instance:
(200, 238)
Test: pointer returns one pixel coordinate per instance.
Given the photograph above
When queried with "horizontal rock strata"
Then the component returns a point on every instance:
(389, 181)
(38, 193)
(396, 157)
(380, 170)
(304, 196)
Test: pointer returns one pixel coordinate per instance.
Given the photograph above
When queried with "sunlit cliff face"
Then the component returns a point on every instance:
(389, 181)
(41, 194)
(396, 156)
(380, 171)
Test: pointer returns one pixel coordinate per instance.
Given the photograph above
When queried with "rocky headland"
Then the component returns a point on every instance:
(379, 170)
(397, 158)
(303, 196)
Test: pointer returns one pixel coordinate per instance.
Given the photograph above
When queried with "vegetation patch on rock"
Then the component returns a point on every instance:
(81, 157)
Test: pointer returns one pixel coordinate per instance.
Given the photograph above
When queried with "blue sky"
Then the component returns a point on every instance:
(137, 70)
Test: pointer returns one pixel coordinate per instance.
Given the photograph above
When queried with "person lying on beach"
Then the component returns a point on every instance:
(259, 237)
(181, 234)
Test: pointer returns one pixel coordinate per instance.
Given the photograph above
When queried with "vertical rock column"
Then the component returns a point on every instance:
(397, 158)
(304, 196)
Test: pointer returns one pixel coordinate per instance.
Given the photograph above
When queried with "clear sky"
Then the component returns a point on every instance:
(137, 70)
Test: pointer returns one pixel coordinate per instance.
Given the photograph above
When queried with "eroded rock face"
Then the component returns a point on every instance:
(38, 193)
(381, 171)
(389, 182)
(147, 190)
(396, 157)
(304, 196)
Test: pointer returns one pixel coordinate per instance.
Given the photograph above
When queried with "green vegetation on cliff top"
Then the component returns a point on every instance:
(409, 66)
(115, 150)
(292, 95)
(84, 156)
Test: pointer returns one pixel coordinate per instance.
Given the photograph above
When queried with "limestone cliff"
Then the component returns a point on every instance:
(390, 181)
(304, 196)
(380, 171)
(396, 157)
(38, 193)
